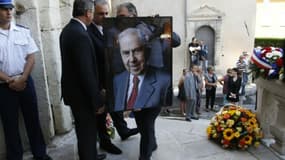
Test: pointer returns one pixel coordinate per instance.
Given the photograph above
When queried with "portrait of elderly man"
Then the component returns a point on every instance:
(140, 86)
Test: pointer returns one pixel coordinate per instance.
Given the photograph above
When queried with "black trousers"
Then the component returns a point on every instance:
(10, 103)
(145, 120)
(86, 130)
(120, 123)
(210, 95)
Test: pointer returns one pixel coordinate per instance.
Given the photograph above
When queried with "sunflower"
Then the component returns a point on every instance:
(228, 134)
(252, 121)
(248, 139)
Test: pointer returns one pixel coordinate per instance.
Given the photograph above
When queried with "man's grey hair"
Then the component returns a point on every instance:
(80, 7)
(133, 31)
(130, 7)
(100, 2)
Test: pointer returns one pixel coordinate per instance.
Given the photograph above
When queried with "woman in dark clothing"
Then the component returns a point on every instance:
(234, 85)
(181, 94)
(210, 85)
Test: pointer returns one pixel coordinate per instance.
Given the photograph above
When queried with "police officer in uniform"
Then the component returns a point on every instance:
(17, 58)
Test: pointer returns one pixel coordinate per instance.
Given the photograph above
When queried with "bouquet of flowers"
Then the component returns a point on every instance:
(235, 127)
(110, 126)
(267, 62)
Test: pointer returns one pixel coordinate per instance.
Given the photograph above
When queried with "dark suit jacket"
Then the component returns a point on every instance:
(98, 41)
(79, 80)
(153, 92)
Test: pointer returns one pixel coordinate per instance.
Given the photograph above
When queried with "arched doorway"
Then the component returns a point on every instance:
(207, 34)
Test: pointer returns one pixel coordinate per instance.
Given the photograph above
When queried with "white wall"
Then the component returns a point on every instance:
(270, 20)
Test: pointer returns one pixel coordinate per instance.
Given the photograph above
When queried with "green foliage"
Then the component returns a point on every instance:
(275, 42)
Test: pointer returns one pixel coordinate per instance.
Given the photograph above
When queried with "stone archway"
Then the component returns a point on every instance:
(207, 34)
(208, 19)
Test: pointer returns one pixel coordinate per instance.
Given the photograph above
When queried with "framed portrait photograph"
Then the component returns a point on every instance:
(138, 62)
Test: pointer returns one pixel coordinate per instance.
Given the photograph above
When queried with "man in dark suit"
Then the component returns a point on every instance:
(140, 88)
(95, 31)
(80, 83)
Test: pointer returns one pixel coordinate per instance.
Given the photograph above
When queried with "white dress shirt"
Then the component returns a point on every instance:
(15, 45)
(100, 28)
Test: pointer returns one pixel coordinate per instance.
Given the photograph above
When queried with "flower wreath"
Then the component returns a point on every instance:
(235, 127)
(267, 62)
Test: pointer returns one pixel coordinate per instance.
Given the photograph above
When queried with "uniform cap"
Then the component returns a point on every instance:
(6, 4)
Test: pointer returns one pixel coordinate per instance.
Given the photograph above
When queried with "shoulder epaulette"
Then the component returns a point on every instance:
(21, 26)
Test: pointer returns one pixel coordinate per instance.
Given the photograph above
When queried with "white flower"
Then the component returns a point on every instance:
(277, 53)
(270, 71)
(274, 58)
(269, 55)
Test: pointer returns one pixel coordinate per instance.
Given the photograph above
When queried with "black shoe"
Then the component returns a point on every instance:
(195, 118)
(101, 156)
(187, 119)
(131, 132)
(45, 157)
(110, 148)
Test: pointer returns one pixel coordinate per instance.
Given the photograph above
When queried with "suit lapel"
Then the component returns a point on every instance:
(146, 90)
(97, 32)
(123, 89)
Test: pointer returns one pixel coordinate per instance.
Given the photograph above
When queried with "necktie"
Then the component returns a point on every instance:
(134, 93)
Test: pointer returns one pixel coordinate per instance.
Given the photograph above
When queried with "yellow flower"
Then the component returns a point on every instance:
(249, 113)
(256, 130)
(237, 112)
(256, 144)
(232, 112)
(252, 121)
(239, 129)
(224, 112)
(228, 134)
(237, 134)
(209, 130)
(230, 122)
(248, 139)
